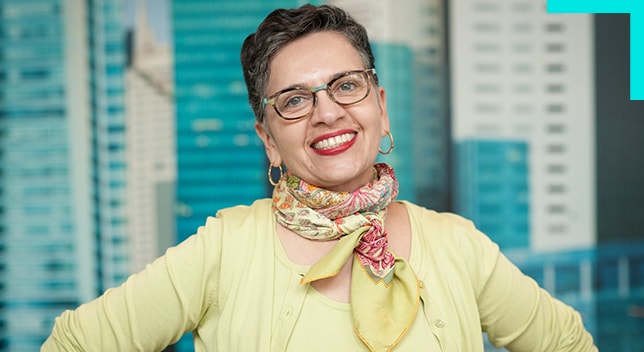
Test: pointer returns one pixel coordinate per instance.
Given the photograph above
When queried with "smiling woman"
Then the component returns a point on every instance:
(332, 260)
(322, 59)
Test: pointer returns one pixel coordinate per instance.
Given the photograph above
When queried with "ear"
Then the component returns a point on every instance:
(270, 147)
(384, 115)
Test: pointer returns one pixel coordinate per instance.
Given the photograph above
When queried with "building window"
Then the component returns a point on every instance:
(555, 88)
(487, 88)
(556, 209)
(523, 68)
(486, 27)
(524, 7)
(555, 128)
(523, 88)
(522, 48)
(487, 108)
(556, 189)
(554, 27)
(556, 148)
(567, 278)
(486, 7)
(556, 228)
(555, 108)
(487, 68)
(523, 27)
(555, 68)
(556, 168)
(523, 109)
(486, 47)
(554, 47)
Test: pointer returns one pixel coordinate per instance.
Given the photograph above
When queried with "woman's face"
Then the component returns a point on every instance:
(308, 146)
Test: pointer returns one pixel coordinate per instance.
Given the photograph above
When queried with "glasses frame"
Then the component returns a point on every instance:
(371, 73)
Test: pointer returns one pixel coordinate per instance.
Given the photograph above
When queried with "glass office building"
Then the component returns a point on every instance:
(107, 80)
(520, 73)
(492, 189)
(60, 161)
(221, 162)
(395, 65)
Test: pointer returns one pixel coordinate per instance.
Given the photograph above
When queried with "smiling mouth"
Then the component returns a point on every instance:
(333, 142)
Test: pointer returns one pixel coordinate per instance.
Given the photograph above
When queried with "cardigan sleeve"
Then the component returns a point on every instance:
(515, 312)
(153, 308)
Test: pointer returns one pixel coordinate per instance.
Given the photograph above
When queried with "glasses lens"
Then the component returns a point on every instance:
(351, 88)
(295, 103)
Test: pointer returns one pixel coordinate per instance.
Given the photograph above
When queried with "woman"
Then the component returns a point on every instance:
(332, 261)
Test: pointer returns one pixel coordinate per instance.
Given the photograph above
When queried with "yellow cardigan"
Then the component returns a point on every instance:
(221, 284)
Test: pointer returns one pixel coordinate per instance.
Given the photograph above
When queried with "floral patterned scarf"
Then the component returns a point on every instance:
(384, 289)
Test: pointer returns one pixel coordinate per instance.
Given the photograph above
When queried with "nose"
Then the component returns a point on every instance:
(325, 109)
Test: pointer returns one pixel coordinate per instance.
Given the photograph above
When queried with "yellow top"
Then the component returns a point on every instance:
(232, 285)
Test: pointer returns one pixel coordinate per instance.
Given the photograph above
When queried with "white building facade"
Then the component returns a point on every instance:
(518, 73)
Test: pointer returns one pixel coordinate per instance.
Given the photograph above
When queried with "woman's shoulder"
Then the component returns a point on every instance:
(433, 218)
(237, 222)
(446, 230)
(451, 242)
(259, 210)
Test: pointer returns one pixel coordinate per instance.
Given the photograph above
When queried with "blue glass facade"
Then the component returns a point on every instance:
(60, 86)
(107, 66)
(605, 284)
(220, 159)
(492, 189)
(413, 82)
(394, 65)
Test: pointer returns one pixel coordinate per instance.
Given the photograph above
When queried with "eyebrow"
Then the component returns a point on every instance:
(302, 86)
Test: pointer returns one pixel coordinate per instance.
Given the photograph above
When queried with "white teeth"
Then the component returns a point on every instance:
(333, 141)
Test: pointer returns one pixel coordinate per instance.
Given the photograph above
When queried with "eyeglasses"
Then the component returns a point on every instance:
(348, 88)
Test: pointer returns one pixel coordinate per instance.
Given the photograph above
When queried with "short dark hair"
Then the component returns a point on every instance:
(283, 26)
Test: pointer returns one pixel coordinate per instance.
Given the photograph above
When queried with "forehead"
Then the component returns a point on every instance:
(313, 59)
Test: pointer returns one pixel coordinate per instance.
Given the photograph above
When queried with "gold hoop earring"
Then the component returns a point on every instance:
(391, 145)
(270, 174)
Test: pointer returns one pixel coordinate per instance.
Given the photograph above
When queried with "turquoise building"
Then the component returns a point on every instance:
(221, 161)
(394, 65)
(62, 164)
(492, 189)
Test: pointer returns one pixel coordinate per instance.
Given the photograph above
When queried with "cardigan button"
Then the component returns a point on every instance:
(287, 313)
(440, 323)
(421, 284)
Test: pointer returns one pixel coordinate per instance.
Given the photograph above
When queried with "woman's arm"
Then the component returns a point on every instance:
(519, 315)
(153, 308)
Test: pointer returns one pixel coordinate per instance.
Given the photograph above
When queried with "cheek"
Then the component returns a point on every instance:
(288, 146)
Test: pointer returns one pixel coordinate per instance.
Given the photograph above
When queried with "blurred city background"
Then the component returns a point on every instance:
(125, 123)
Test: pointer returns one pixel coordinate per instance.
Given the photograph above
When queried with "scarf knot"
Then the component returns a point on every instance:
(373, 254)
(356, 218)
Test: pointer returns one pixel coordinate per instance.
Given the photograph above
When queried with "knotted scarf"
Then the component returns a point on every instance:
(384, 289)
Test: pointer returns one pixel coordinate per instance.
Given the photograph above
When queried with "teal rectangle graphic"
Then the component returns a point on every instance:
(636, 10)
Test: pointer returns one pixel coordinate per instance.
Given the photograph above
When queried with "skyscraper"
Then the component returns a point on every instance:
(151, 140)
(220, 159)
(559, 85)
(519, 74)
(493, 189)
(106, 44)
(61, 160)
